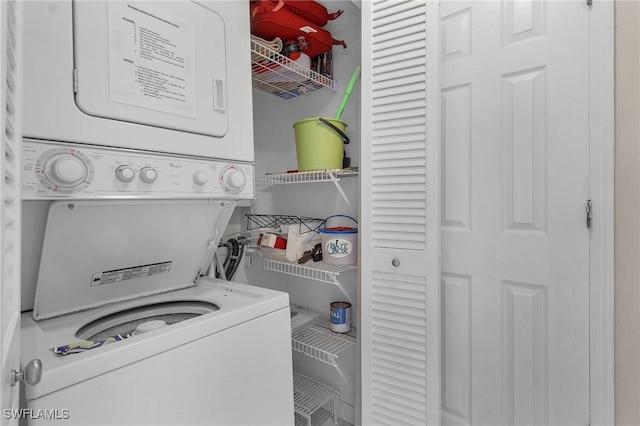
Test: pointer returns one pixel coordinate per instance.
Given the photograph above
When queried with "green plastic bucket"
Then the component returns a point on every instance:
(319, 143)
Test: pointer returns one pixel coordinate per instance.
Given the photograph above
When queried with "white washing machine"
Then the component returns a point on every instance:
(106, 257)
(231, 365)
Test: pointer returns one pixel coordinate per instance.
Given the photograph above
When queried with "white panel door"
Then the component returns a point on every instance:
(10, 129)
(515, 246)
(399, 245)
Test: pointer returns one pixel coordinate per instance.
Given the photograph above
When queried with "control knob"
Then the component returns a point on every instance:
(64, 171)
(67, 170)
(148, 174)
(125, 173)
(232, 179)
(200, 177)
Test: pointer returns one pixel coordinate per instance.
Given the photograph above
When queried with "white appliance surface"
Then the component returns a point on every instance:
(105, 251)
(164, 76)
(108, 252)
(55, 170)
(227, 367)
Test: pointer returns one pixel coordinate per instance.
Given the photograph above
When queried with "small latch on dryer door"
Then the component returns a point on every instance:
(219, 101)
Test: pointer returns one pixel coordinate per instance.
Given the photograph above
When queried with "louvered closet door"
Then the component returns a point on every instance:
(399, 216)
(10, 206)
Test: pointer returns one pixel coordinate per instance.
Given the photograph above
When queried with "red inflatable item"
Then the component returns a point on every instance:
(310, 10)
(269, 22)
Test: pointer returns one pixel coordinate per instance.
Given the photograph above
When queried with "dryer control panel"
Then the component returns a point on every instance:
(51, 170)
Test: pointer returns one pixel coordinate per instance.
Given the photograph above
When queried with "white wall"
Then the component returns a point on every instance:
(627, 219)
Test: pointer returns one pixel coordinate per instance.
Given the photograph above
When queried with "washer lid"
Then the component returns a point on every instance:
(100, 252)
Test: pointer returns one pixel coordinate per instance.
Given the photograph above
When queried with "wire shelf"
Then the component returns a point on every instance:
(275, 221)
(274, 73)
(309, 396)
(319, 343)
(301, 316)
(305, 177)
(319, 417)
(318, 271)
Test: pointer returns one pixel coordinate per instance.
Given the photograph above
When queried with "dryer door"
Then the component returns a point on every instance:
(156, 63)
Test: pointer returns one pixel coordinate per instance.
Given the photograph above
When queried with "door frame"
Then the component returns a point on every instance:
(601, 248)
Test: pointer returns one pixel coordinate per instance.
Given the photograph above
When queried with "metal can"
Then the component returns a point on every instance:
(340, 317)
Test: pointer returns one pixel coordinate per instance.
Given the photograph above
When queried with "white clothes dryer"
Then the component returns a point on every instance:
(164, 76)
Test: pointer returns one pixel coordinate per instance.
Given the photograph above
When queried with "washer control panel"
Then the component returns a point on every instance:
(60, 170)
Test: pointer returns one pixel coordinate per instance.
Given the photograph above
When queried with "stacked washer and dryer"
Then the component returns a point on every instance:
(138, 143)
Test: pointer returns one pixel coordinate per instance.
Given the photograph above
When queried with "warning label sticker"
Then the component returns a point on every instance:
(124, 274)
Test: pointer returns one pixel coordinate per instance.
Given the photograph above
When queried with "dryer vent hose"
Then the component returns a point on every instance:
(235, 250)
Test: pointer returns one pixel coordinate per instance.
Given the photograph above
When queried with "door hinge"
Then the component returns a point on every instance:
(589, 214)
(75, 81)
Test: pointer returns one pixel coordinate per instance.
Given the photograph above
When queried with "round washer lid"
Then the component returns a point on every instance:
(100, 252)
